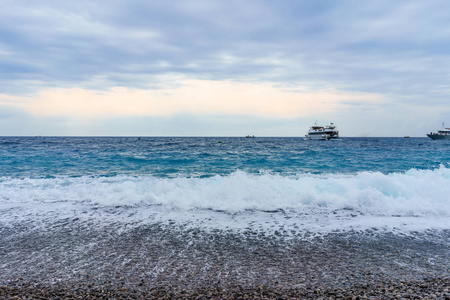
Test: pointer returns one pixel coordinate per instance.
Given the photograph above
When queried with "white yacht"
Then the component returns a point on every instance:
(327, 132)
(442, 134)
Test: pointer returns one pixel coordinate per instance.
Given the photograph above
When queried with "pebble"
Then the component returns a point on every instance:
(163, 263)
(211, 292)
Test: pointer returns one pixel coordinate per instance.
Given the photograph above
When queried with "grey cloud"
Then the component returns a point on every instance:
(392, 48)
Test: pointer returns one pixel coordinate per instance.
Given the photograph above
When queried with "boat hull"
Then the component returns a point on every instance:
(439, 136)
(315, 137)
(322, 137)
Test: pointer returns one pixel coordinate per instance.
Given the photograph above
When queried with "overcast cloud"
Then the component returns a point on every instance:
(396, 52)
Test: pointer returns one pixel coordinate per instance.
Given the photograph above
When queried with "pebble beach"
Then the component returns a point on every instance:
(164, 262)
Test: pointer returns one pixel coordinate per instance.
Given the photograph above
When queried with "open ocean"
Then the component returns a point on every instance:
(156, 208)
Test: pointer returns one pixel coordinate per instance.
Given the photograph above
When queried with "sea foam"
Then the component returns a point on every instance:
(370, 198)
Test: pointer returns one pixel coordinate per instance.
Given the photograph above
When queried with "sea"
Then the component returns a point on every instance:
(62, 196)
(229, 183)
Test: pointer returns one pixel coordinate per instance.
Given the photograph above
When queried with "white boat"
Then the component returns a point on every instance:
(327, 132)
(442, 134)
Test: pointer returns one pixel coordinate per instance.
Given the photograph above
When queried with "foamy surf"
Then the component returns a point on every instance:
(415, 200)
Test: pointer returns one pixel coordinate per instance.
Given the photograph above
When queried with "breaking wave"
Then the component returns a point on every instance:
(414, 192)
(422, 195)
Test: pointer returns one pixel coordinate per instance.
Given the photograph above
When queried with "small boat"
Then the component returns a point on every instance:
(406, 136)
(327, 132)
(442, 134)
(249, 136)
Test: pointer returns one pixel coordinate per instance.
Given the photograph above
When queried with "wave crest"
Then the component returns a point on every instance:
(412, 193)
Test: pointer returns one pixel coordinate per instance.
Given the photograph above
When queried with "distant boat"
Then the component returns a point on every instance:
(327, 132)
(442, 134)
(249, 136)
(406, 136)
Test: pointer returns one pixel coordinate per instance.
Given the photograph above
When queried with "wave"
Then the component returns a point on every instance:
(411, 193)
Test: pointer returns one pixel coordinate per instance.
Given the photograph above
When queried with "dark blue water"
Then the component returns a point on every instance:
(162, 157)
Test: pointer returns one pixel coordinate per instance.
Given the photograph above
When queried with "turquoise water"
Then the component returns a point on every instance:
(48, 157)
(228, 183)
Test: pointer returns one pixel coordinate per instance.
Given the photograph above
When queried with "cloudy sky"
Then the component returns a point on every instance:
(223, 68)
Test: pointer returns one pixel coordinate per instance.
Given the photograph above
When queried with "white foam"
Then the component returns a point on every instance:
(419, 199)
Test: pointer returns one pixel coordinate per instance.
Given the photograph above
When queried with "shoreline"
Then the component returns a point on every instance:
(154, 261)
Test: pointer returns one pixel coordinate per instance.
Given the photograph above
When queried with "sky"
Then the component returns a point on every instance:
(223, 68)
